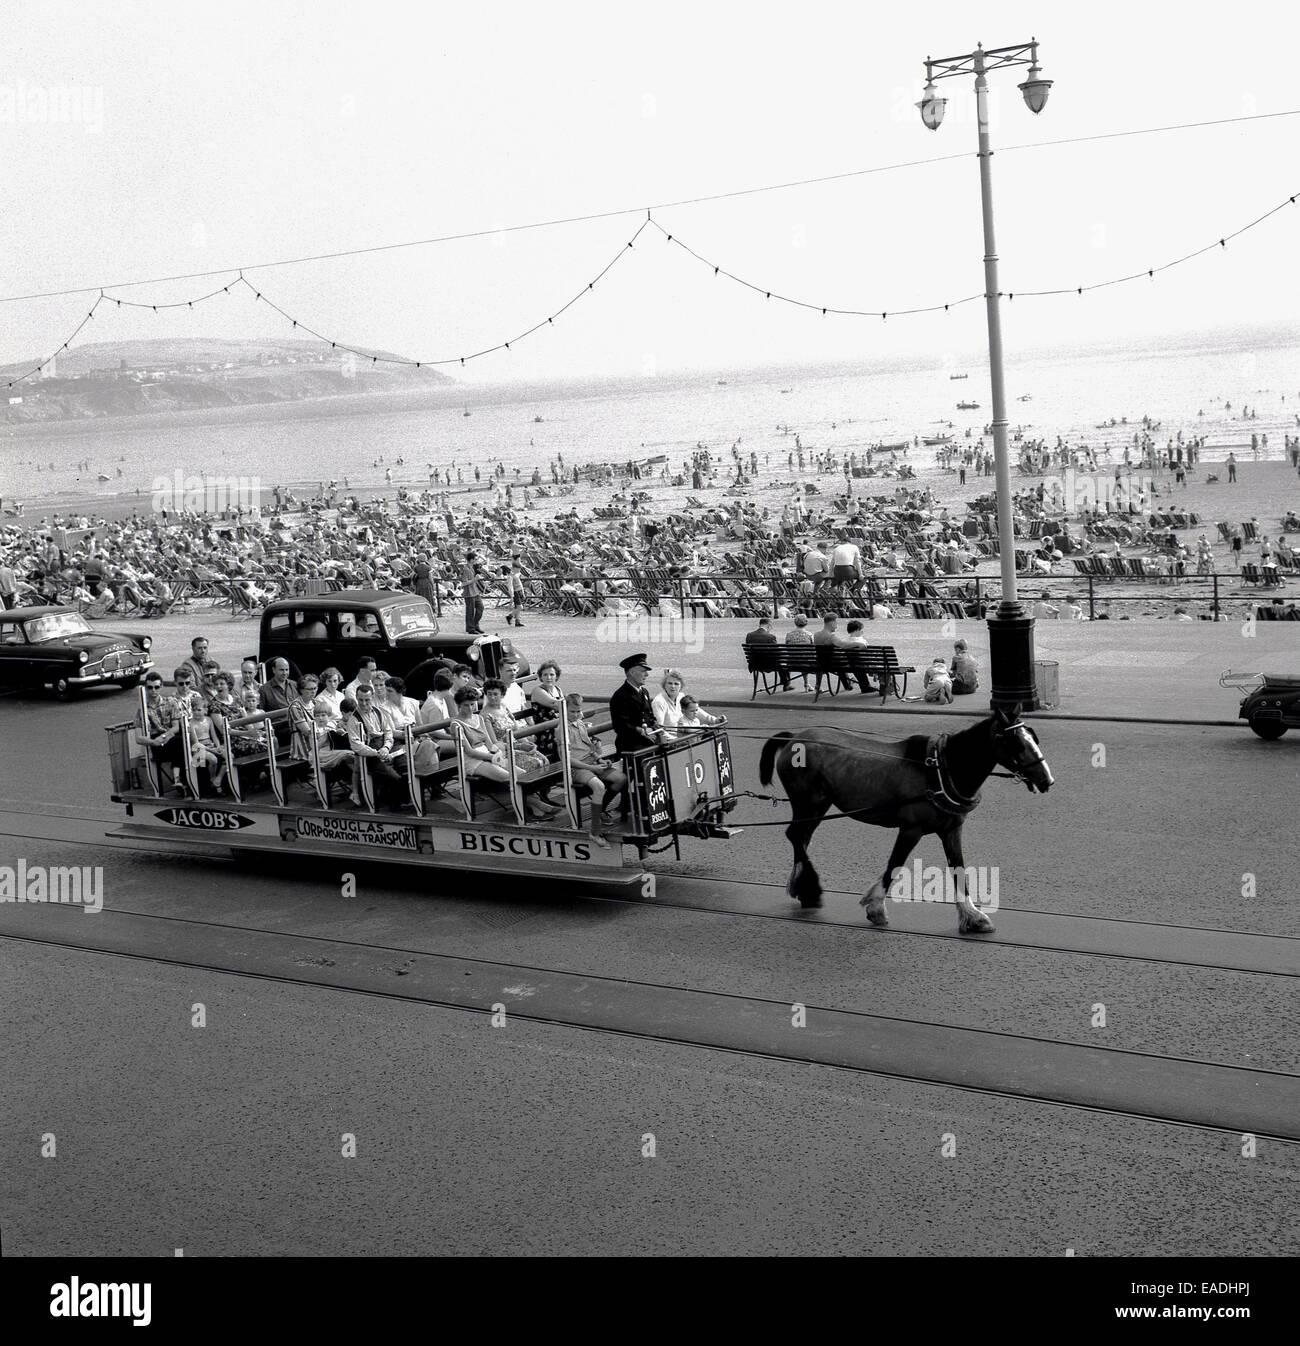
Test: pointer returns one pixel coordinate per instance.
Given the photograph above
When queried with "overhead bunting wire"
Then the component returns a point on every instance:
(1148, 273)
(472, 355)
(824, 309)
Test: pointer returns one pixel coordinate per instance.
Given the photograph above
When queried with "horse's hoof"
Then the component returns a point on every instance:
(977, 924)
(877, 917)
(814, 901)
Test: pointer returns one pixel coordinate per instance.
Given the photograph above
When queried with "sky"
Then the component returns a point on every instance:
(146, 140)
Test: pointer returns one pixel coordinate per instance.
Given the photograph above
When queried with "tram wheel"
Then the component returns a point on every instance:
(1269, 729)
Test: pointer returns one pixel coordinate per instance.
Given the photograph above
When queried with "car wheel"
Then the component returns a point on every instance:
(1269, 729)
(63, 689)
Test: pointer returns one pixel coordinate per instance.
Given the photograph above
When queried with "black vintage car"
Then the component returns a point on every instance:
(56, 648)
(398, 629)
(1273, 706)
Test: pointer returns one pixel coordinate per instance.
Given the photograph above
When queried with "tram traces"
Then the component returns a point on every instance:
(1115, 1080)
(1056, 932)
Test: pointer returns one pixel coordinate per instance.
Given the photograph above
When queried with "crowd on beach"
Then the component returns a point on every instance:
(868, 539)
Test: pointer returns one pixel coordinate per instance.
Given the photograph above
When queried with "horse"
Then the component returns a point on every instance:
(920, 785)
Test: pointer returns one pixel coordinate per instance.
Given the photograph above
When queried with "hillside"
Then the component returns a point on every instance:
(130, 378)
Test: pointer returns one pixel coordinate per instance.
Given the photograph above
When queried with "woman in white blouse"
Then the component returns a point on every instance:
(667, 706)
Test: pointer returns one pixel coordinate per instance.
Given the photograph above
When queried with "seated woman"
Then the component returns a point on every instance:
(667, 706)
(601, 779)
(335, 763)
(501, 723)
(547, 695)
(695, 718)
(482, 760)
(249, 738)
(440, 703)
(223, 692)
(329, 699)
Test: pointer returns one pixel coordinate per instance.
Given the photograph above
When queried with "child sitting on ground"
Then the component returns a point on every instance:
(938, 683)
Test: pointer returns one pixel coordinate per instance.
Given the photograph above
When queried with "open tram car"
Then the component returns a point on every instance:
(683, 788)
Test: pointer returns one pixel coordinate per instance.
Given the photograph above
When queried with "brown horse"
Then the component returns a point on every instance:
(918, 785)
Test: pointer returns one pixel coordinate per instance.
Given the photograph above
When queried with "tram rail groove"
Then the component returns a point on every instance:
(1215, 949)
(1178, 1090)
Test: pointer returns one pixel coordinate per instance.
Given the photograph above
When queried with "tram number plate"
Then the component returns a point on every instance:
(357, 832)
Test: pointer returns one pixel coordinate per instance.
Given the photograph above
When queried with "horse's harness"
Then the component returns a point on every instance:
(940, 790)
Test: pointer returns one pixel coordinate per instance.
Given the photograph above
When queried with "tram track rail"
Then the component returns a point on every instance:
(1172, 1089)
(1268, 955)
(1168, 1089)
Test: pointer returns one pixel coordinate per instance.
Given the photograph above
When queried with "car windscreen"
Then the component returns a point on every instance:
(57, 624)
(409, 619)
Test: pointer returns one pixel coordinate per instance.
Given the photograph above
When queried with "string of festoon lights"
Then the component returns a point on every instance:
(297, 324)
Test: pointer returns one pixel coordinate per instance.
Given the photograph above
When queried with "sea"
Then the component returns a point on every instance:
(1196, 383)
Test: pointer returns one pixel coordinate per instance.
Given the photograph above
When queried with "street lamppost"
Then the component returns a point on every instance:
(1011, 628)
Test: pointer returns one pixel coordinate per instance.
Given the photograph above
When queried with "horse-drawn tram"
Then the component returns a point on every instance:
(280, 793)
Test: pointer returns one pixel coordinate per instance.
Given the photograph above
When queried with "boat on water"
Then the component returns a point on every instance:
(932, 440)
(465, 412)
(959, 376)
(103, 476)
(968, 406)
(1024, 397)
(787, 390)
(537, 420)
(896, 447)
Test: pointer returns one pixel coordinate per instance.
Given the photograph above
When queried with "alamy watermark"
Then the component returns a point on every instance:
(26, 104)
(1073, 491)
(180, 494)
(70, 885)
(938, 883)
(623, 628)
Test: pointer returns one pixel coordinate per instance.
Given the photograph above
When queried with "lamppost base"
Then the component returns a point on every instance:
(1011, 658)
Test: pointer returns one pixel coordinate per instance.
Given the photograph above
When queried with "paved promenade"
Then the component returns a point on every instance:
(1118, 669)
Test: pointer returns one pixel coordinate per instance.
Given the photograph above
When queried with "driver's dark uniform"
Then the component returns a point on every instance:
(634, 720)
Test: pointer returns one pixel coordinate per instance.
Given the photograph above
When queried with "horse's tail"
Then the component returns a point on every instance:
(770, 750)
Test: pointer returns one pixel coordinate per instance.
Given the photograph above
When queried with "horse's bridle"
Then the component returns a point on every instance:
(1033, 754)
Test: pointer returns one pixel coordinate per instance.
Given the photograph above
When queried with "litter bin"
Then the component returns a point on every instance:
(1047, 683)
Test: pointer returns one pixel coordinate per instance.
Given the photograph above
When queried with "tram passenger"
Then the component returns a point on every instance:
(602, 780)
(440, 703)
(304, 716)
(371, 741)
(158, 726)
(482, 759)
(248, 674)
(548, 696)
(666, 707)
(276, 694)
(514, 699)
(500, 723)
(693, 717)
(205, 749)
(365, 674)
(223, 692)
(329, 698)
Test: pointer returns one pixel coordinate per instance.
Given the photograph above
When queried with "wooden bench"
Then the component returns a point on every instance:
(829, 662)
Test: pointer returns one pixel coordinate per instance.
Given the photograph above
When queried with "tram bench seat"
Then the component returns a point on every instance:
(531, 782)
